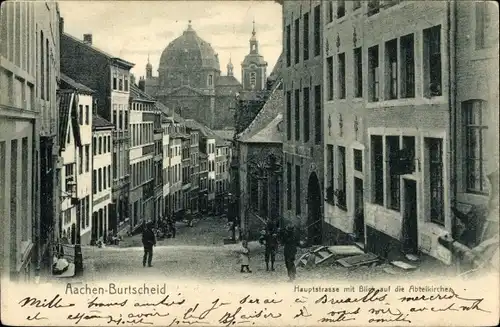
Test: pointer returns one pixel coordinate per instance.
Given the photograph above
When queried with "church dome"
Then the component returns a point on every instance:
(189, 51)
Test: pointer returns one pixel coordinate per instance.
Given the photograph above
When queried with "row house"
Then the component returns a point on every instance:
(102, 140)
(302, 73)
(158, 204)
(391, 185)
(203, 189)
(142, 157)
(222, 159)
(166, 125)
(109, 77)
(186, 173)
(29, 146)
(175, 177)
(194, 154)
(76, 145)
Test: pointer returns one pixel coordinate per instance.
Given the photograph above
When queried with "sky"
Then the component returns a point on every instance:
(132, 30)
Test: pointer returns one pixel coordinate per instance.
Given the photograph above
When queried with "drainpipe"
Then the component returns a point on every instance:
(452, 95)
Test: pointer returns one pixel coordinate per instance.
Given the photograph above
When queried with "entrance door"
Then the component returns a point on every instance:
(410, 228)
(359, 216)
(315, 217)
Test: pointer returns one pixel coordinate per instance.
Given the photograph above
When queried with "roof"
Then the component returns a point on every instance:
(68, 113)
(227, 81)
(277, 67)
(69, 83)
(169, 113)
(117, 60)
(205, 131)
(138, 94)
(265, 128)
(227, 134)
(191, 51)
(100, 123)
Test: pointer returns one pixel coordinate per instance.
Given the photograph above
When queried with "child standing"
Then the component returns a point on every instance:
(245, 257)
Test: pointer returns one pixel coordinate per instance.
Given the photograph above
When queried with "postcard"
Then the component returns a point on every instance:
(249, 163)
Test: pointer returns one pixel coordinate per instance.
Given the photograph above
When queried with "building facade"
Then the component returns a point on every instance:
(102, 135)
(175, 171)
(166, 125)
(29, 147)
(81, 173)
(109, 77)
(158, 204)
(142, 157)
(253, 67)
(302, 72)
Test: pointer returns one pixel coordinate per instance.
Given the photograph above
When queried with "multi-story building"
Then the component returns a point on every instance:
(175, 171)
(29, 145)
(158, 136)
(474, 138)
(302, 72)
(186, 173)
(222, 156)
(102, 140)
(195, 131)
(210, 149)
(109, 77)
(203, 177)
(142, 155)
(79, 171)
(166, 125)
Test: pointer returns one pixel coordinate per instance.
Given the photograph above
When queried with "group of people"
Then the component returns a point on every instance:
(166, 228)
(271, 237)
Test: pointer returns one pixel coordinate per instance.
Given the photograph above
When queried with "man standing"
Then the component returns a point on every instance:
(290, 251)
(270, 240)
(148, 241)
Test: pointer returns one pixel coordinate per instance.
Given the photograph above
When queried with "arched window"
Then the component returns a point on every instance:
(475, 127)
(210, 80)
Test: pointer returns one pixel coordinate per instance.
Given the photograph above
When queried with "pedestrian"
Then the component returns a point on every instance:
(245, 257)
(270, 241)
(148, 241)
(172, 227)
(290, 251)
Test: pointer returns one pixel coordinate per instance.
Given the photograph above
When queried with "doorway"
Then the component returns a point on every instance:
(359, 215)
(410, 227)
(315, 217)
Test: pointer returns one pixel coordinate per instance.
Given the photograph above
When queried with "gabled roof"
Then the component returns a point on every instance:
(265, 128)
(68, 114)
(116, 60)
(100, 123)
(69, 83)
(138, 94)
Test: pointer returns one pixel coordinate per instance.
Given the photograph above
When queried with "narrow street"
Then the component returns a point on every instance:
(198, 253)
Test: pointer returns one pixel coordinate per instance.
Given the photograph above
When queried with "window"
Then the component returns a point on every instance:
(475, 138)
(288, 45)
(94, 145)
(329, 76)
(297, 41)
(407, 66)
(329, 12)
(115, 166)
(340, 8)
(435, 173)
(120, 120)
(392, 147)
(306, 114)
(358, 73)
(125, 114)
(356, 4)
(432, 61)
(486, 25)
(69, 175)
(341, 178)
(317, 30)
(288, 115)
(80, 160)
(358, 160)
(298, 191)
(68, 140)
(373, 73)
(120, 84)
(126, 85)
(330, 174)
(317, 114)
(99, 179)
(297, 114)
(253, 79)
(373, 7)
(109, 143)
(87, 158)
(104, 179)
(94, 181)
(341, 75)
(87, 114)
(100, 145)
(42, 66)
(306, 36)
(377, 169)
(80, 114)
(114, 83)
(289, 185)
(391, 66)
(210, 80)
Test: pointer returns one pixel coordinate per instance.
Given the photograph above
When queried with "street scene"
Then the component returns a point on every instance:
(255, 141)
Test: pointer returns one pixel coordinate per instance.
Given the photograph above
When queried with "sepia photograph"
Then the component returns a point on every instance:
(250, 163)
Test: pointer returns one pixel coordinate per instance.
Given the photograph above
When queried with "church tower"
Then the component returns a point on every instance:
(230, 67)
(253, 67)
(149, 69)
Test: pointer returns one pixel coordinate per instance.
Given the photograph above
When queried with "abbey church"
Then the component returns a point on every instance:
(191, 83)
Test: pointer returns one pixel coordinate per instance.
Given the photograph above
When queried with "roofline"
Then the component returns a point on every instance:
(96, 128)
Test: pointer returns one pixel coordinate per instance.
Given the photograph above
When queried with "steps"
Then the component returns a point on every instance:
(315, 257)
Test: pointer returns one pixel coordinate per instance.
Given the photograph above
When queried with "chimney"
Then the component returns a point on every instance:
(61, 26)
(87, 39)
